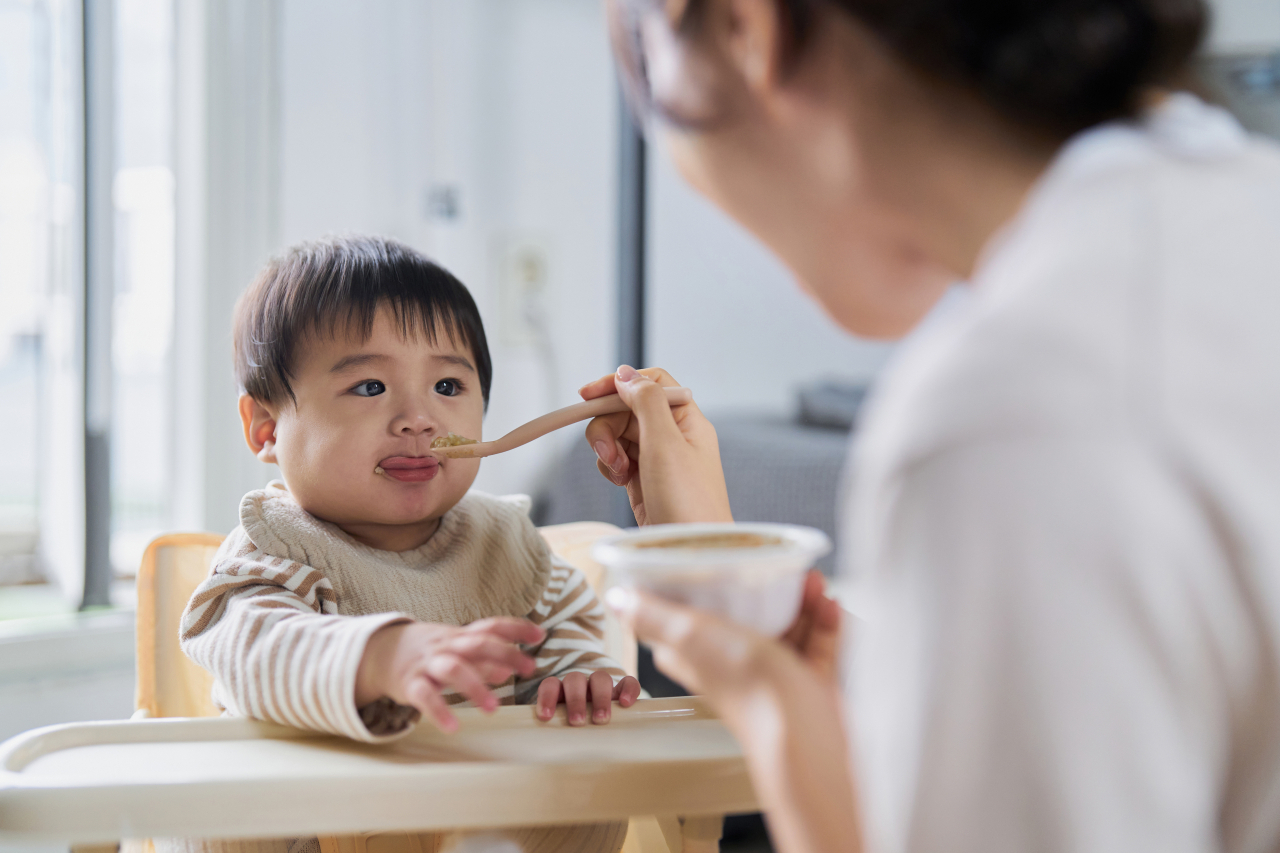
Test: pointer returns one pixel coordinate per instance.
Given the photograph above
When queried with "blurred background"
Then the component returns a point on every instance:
(154, 153)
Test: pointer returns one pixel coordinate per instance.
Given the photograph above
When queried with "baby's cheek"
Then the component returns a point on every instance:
(321, 474)
(459, 475)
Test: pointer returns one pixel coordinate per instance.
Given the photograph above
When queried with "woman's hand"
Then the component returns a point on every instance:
(667, 457)
(779, 698)
(815, 635)
(724, 661)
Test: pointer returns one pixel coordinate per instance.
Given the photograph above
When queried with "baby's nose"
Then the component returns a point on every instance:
(413, 423)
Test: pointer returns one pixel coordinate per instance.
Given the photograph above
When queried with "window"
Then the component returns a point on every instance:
(142, 316)
(39, 177)
(42, 281)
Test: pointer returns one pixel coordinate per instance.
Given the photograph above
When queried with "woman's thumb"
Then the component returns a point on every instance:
(647, 401)
(651, 618)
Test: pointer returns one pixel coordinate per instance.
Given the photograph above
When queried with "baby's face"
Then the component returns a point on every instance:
(355, 450)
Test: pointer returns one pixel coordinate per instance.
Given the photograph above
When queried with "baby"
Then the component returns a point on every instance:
(372, 587)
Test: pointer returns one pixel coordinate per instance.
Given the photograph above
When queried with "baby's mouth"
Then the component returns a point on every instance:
(409, 469)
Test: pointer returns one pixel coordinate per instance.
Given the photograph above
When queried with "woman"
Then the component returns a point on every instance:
(1064, 516)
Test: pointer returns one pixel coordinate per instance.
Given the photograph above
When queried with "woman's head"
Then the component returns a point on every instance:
(1052, 66)
(850, 135)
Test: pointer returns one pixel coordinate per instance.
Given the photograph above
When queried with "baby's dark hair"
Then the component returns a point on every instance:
(336, 286)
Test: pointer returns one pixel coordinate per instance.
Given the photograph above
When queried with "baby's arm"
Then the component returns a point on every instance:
(572, 665)
(269, 631)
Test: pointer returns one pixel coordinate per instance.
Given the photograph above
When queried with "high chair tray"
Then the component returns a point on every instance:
(237, 778)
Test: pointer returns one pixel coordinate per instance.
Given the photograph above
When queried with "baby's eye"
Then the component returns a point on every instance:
(372, 388)
(448, 387)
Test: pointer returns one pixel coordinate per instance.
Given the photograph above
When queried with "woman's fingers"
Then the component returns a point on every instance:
(600, 686)
(609, 435)
(649, 406)
(606, 472)
(814, 588)
(674, 450)
(605, 435)
(815, 635)
(601, 387)
(824, 646)
(653, 620)
(549, 693)
(671, 630)
(605, 385)
(575, 698)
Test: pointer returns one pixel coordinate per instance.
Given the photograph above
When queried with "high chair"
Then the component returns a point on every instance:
(170, 685)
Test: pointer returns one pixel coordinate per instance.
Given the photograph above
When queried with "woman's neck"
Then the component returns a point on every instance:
(957, 172)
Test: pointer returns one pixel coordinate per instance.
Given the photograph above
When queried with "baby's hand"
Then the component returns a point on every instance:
(576, 689)
(414, 662)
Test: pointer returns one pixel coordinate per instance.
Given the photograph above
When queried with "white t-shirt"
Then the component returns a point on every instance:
(1064, 525)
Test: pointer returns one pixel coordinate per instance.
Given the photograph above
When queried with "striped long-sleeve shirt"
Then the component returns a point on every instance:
(290, 602)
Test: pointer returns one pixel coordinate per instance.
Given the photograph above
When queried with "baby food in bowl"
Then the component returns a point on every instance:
(751, 573)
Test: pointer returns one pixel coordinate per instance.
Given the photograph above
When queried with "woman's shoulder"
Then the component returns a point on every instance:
(1123, 296)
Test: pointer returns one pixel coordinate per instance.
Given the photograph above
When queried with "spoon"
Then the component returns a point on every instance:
(538, 427)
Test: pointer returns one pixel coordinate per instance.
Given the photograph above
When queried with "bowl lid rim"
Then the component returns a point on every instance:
(798, 540)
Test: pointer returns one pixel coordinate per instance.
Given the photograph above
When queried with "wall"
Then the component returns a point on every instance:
(59, 670)
(509, 104)
(226, 167)
(1244, 25)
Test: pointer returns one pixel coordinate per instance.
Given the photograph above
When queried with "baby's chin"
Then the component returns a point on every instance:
(402, 513)
(363, 524)
(402, 507)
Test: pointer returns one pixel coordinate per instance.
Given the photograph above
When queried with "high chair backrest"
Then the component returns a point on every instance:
(170, 685)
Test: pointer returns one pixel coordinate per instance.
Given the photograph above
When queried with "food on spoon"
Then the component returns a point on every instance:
(452, 440)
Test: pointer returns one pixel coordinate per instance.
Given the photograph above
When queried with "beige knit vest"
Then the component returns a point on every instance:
(485, 559)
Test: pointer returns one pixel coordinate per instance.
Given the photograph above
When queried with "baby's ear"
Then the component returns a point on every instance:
(259, 428)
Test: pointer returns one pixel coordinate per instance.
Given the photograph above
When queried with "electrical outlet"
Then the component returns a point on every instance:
(523, 274)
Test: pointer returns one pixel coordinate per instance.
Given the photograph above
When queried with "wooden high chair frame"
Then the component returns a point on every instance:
(170, 685)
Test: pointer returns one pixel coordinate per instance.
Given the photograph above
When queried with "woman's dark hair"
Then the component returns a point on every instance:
(1055, 66)
(336, 286)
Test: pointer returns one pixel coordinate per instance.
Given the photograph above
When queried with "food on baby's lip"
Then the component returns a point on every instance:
(710, 541)
(452, 440)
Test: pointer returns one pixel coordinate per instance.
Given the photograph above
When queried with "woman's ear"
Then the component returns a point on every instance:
(259, 428)
(754, 42)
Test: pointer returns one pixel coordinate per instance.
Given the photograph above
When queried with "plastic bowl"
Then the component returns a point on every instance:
(759, 585)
